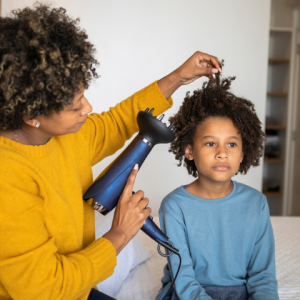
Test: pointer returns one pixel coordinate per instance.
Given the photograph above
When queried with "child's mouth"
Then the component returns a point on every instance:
(221, 167)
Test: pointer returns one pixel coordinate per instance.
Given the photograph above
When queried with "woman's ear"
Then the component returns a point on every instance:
(33, 122)
(188, 152)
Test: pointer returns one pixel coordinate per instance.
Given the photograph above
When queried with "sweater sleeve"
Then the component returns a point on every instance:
(107, 132)
(30, 265)
(186, 285)
(261, 282)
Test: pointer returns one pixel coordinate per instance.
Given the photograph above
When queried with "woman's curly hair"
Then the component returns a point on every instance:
(44, 57)
(215, 100)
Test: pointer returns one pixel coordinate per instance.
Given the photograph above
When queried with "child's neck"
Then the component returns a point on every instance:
(208, 189)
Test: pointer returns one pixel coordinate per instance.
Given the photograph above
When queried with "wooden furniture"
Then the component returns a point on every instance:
(282, 96)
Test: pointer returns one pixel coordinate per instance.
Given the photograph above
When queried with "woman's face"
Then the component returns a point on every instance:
(217, 149)
(67, 121)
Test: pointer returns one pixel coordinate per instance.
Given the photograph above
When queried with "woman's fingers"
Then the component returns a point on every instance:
(208, 65)
(206, 68)
(137, 197)
(212, 62)
(143, 203)
(199, 64)
(147, 212)
(127, 191)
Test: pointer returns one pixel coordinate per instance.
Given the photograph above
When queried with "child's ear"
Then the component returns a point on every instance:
(188, 152)
(242, 157)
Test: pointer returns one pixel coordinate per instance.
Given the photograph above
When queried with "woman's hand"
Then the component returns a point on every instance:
(130, 214)
(198, 65)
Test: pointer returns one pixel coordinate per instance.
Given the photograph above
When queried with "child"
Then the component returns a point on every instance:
(221, 227)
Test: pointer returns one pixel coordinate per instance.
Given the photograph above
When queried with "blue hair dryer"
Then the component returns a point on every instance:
(107, 189)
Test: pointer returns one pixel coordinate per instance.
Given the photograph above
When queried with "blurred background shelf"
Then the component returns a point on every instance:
(273, 160)
(278, 60)
(277, 94)
(281, 29)
(275, 127)
(275, 193)
(281, 165)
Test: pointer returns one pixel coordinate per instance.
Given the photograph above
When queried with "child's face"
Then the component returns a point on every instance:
(217, 149)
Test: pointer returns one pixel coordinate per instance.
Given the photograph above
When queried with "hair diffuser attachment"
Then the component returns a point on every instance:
(153, 130)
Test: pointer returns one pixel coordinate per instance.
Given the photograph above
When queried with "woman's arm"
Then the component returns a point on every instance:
(31, 267)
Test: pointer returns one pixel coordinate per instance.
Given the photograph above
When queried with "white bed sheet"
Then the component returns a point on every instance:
(144, 283)
(287, 252)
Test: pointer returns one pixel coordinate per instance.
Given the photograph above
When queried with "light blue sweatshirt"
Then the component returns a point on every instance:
(224, 242)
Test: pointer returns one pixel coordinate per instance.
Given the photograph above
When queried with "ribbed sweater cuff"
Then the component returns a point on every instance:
(103, 255)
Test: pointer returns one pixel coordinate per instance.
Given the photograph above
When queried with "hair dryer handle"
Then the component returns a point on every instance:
(153, 231)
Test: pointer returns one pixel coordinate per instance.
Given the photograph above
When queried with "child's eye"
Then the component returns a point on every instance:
(210, 144)
(232, 144)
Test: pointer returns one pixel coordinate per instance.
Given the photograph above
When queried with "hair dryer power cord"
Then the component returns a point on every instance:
(169, 245)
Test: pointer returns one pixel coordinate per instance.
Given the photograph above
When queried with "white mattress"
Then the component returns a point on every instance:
(287, 247)
(144, 281)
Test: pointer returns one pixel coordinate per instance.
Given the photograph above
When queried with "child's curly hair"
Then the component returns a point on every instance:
(44, 56)
(215, 100)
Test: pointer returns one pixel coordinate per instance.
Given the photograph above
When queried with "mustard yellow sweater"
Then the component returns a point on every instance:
(47, 235)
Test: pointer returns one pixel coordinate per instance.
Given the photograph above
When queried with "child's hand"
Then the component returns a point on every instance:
(198, 65)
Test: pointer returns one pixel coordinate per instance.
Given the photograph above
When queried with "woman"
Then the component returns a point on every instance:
(48, 143)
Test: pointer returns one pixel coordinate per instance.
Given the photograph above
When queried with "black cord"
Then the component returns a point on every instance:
(172, 250)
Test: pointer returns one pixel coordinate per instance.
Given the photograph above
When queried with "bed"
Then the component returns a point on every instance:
(143, 282)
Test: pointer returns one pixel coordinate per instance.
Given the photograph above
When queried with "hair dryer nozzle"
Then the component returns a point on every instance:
(153, 130)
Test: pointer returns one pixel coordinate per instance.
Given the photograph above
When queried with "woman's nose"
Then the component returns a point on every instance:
(87, 108)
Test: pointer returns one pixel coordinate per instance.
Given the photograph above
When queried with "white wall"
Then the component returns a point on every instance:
(141, 41)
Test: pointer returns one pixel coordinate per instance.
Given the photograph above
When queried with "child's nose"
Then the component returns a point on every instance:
(222, 153)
